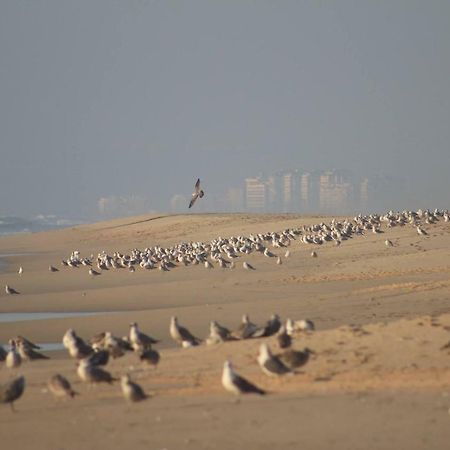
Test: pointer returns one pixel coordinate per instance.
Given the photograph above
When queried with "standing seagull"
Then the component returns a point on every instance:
(270, 364)
(196, 194)
(150, 357)
(10, 291)
(182, 335)
(12, 390)
(13, 359)
(140, 341)
(131, 391)
(93, 374)
(59, 386)
(236, 384)
(28, 354)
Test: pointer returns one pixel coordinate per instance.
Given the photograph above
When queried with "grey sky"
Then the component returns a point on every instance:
(105, 98)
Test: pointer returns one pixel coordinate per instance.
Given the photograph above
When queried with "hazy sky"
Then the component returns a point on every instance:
(102, 98)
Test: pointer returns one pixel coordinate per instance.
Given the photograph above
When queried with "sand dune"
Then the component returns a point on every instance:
(380, 377)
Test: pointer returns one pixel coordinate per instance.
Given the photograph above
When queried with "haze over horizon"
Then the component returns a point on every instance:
(142, 97)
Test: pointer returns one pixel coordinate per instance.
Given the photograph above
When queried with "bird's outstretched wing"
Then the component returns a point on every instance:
(196, 194)
(194, 197)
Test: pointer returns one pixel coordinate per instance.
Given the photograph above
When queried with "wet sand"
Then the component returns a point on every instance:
(380, 378)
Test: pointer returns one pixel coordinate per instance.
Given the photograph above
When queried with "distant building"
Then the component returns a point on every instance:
(255, 194)
(309, 192)
(335, 192)
(235, 199)
(364, 194)
(116, 206)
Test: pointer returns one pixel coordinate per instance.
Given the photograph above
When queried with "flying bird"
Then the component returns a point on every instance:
(196, 194)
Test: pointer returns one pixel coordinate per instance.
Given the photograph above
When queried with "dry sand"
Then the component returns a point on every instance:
(380, 378)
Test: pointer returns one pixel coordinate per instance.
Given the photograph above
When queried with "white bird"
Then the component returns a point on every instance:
(299, 325)
(271, 365)
(10, 291)
(388, 243)
(236, 384)
(181, 334)
(13, 359)
(93, 374)
(421, 231)
(59, 386)
(138, 340)
(131, 391)
(247, 266)
(246, 329)
(198, 193)
(20, 270)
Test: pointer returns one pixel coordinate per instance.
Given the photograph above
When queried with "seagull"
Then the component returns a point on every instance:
(140, 341)
(314, 254)
(10, 291)
(295, 358)
(279, 261)
(59, 386)
(93, 374)
(3, 353)
(13, 359)
(272, 326)
(287, 254)
(216, 328)
(196, 194)
(98, 358)
(28, 354)
(247, 266)
(93, 272)
(271, 365)
(421, 231)
(236, 384)
(12, 391)
(131, 391)
(299, 325)
(150, 356)
(20, 272)
(388, 243)
(53, 269)
(181, 334)
(246, 328)
(75, 345)
(20, 339)
(114, 345)
(283, 338)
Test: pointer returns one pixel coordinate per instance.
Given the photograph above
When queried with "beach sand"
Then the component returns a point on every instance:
(380, 378)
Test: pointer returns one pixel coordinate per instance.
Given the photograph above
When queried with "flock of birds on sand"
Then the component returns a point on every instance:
(92, 356)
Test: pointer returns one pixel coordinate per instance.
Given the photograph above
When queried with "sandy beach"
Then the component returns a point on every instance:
(379, 379)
